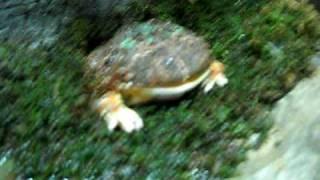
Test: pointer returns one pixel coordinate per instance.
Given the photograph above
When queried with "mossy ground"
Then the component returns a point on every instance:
(48, 130)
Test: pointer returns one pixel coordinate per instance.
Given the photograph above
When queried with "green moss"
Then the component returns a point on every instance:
(48, 130)
(78, 33)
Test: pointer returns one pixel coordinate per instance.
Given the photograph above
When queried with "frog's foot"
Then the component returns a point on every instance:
(115, 113)
(216, 76)
(128, 119)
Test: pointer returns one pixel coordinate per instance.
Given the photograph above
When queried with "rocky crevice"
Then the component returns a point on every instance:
(40, 23)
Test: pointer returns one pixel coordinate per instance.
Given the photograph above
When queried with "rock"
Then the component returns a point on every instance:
(38, 23)
(292, 150)
(102, 8)
(34, 23)
(315, 60)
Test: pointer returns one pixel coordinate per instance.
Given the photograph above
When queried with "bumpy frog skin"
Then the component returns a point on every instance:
(148, 62)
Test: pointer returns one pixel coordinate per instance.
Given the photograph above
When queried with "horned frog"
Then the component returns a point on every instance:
(149, 61)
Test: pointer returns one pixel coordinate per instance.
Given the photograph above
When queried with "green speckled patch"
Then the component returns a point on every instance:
(145, 28)
(178, 30)
(128, 43)
(150, 40)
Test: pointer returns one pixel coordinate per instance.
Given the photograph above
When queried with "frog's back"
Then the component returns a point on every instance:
(150, 54)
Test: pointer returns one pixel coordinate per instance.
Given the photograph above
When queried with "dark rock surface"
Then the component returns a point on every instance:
(34, 23)
(42, 22)
(316, 3)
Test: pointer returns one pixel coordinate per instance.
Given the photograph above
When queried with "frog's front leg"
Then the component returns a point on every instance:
(116, 113)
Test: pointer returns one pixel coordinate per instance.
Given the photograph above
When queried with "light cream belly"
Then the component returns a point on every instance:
(143, 95)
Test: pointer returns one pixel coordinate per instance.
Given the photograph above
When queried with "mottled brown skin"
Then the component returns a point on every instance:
(145, 62)
(152, 54)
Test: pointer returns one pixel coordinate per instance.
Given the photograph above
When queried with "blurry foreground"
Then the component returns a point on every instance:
(48, 131)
